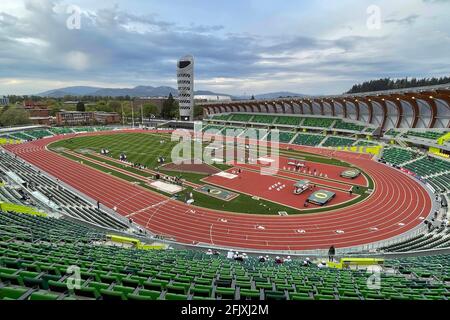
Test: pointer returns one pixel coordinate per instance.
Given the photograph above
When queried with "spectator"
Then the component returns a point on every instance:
(278, 260)
(331, 253)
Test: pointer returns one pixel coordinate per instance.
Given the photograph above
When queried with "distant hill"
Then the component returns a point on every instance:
(139, 91)
(149, 91)
(271, 95)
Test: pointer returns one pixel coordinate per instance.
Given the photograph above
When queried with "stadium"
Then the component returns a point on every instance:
(319, 197)
(396, 212)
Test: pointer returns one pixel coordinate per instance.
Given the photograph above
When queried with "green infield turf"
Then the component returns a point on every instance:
(145, 148)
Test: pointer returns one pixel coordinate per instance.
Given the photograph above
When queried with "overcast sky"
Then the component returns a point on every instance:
(240, 46)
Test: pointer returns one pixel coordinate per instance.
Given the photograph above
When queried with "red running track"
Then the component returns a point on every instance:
(394, 207)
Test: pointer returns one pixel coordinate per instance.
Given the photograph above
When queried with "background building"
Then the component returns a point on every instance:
(75, 118)
(185, 77)
(4, 101)
(212, 98)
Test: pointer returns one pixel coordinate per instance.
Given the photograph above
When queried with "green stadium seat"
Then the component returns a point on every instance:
(98, 285)
(136, 297)
(153, 295)
(11, 279)
(225, 292)
(123, 289)
(275, 295)
(34, 283)
(171, 296)
(324, 297)
(250, 294)
(300, 296)
(87, 292)
(112, 295)
(12, 293)
(57, 286)
(177, 288)
(42, 295)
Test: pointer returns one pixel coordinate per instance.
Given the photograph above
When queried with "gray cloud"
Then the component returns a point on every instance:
(116, 46)
(405, 21)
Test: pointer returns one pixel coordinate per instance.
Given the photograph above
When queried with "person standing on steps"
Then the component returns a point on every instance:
(331, 253)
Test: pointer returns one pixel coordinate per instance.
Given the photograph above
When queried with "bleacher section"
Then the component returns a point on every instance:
(362, 143)
(38, 270)
(221, 117)
(318, 122)
(241, 117)
(348, 126)
(397, 156)
(68, 202)
(289, 121)
(263, 119)
(439, 237)
(392, 133)
(285, 137)
(213, 127)
(38, 134)
(25, 227)
(338, 142)
(308, 139)
(440, 183)
(432, 135)
(232, 131)
(57, 130)
(428, 166)
(84, 129)
(21, 136)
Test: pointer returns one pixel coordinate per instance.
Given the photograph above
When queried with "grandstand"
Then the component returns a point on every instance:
(348, 126)
(263, 119)
(428, 166)
(318, 122)
(78, 230)
(308, 139)
(397, 156)
(431, 135)
(332, 141)
(31, 270)
(241, 117)
(51, 191)
(288, 121)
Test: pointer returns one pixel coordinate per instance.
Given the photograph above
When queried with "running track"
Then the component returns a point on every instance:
(396, 206)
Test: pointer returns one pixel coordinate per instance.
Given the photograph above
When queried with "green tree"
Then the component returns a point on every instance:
(115, 106)
(169, 108)
(81, 107)
(150, 109)
(55, 108)
(14, 116)
(198, 112)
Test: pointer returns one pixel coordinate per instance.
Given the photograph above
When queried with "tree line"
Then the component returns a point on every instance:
(392, 84)
(14, 114)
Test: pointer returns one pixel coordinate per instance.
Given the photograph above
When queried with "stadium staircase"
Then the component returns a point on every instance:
(411, 161)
